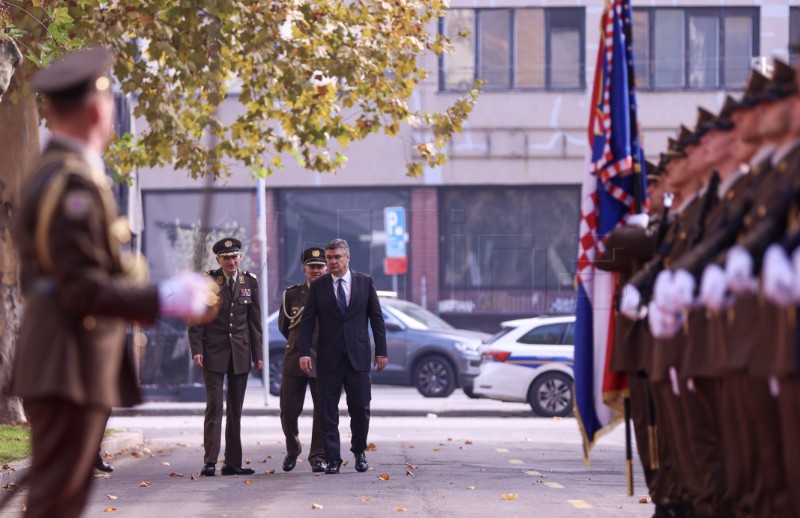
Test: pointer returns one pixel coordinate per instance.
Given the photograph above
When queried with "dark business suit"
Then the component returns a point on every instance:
(344, 356)
(229, 344)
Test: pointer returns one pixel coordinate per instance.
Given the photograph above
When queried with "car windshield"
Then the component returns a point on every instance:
(414, 316)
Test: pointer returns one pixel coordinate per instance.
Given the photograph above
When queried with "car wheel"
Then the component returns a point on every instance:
(550, 395)
(275, 372)
(470, 393)
(434, 376)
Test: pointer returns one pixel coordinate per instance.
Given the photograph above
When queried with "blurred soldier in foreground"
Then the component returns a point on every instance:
(293, 379)
(79, 290)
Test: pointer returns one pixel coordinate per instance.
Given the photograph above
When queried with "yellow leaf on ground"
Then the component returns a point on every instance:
(110, 510)
(270, 472)
(247, 461)
(410, 446)
(409, 473)
(411, 466)
(112, 497)
(345, 463)
(248, 482)
(173, 474)
(316, 506)
(645, 500)
(145, 484)
(371, 447)
(383, 476)
(366, 498)
(508, 496)
(437, 449)
(400, 509)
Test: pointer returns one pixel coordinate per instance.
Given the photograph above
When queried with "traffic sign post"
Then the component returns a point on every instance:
(396, 262)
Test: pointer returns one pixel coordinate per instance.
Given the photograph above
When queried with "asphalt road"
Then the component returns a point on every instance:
(460, 466)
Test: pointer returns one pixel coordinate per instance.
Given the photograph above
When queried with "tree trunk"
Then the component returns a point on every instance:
(19, 147)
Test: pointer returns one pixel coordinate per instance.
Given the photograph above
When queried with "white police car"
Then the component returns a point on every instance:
(530, 360)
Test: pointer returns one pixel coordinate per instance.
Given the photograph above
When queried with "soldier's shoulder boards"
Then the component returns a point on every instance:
(250, 274)
(294, 287)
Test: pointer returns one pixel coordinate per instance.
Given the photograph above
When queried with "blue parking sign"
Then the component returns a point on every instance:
(394, 219)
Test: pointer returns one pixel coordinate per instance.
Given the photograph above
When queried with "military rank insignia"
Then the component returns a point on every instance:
(245, 292)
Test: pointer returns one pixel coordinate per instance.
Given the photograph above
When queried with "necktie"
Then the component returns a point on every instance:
(341, 298)
(231, 285)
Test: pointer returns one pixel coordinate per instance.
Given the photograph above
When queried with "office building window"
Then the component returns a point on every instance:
(794, 30)
(511, 49)
(694, 48)
(508, 237)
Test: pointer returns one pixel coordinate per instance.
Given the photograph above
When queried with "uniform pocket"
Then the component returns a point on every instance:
(245, 300)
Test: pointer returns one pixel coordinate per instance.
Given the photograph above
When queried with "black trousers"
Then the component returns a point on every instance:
(212, 427)
(293, 394)
(358, 390)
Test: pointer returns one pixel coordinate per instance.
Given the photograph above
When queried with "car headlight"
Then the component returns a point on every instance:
(468, 347)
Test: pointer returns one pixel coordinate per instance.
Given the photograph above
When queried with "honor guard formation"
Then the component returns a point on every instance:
(706, 322)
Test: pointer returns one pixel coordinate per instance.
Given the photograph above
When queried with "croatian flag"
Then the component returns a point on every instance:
(608, 197)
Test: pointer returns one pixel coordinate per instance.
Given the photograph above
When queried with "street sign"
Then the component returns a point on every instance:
(394, 219)
(396, 262)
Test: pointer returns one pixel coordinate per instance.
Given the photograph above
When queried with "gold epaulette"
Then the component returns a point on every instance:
(250, 274)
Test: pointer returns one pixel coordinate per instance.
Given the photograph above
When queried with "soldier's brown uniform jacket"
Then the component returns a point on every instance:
(79, 290)
(294, 300)
(235, 334)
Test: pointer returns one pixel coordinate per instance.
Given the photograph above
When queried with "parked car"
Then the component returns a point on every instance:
(530, 360)
(424, 351)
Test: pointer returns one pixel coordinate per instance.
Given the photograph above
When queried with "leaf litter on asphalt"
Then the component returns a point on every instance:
(383, 476)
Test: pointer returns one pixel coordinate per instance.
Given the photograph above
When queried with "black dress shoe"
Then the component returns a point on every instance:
(333, 467)
(361, 462)
(102, 465)
(318, 466)
(208, 470)
(289, 463)
(236, 470)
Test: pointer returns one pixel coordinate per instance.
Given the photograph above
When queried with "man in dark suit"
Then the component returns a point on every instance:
(338, 306)
(226, 346)
(294, 380)
(80, 289)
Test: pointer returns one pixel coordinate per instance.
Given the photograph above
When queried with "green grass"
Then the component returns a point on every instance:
(111, 431)
(15, 443)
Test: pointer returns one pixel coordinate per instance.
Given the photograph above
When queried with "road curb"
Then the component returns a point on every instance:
(274, 412)
(112, 444)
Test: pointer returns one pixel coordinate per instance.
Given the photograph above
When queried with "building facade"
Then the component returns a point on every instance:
(492, 234)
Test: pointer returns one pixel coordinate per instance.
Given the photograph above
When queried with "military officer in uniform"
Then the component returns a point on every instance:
(80, 291)
(294, 380)
(226, 346)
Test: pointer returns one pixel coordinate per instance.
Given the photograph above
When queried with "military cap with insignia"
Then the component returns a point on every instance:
(783, 82)
(313, 255)
(723, 122)
(71, 79)
(704, 117)
(227, 247)
(653, 171)
(678, 149)
(754, 91)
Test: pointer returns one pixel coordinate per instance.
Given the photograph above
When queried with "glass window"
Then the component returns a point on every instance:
(530, 48)
(668, 48)
(703, 51)
(459, 66)
(495, 45)
(515, 48)
(794, 27)
(738, 45)
(569, 336)
(508, 237)
(543, 335)
(566, 48)
(695, 48)
(641, 47)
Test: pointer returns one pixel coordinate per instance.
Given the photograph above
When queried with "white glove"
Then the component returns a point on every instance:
(683, 287)
(796, 264)
(630, 302)
(662, 291)
(185, 295)
(639, 220)
(654, 320)
(663, 324)
(778, 277)
(712, 288)
(739, 271)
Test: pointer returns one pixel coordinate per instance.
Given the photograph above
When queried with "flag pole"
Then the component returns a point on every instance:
(628, 447)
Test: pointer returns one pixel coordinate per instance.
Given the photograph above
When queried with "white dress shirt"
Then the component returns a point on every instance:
(346, 285)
